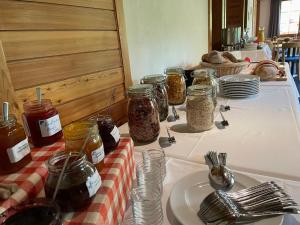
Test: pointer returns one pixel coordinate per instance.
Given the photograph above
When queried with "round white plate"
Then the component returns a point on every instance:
(239, 78)
(241, 92)
(189, 192)
(239, 84)
(239, 89)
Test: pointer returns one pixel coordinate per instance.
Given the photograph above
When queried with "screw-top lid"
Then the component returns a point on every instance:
(141, 90)
(199, 89)
(153, 79)
(174, 70)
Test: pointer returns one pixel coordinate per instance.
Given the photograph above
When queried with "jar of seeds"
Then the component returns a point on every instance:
(200, 108)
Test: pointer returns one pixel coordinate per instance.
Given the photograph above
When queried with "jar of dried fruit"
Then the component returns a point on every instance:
(143, 116)
(199, 108)
(176, 86)
(160, 93)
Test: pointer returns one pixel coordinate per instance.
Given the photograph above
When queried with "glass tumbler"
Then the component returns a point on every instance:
(155, 158)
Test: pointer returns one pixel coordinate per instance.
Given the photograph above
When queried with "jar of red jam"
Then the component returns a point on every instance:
(14, 147)
(108, 131)
(75, 135)
(41, 122)
(79, 184)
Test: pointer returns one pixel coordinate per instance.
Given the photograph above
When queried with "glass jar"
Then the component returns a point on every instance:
(207, 77)
(261, 35)
(160, 92)
(143, 116)
(199, 108)
(75, 135)
(79, 184)
(14, 147)
(41, 122)
(108, 131)
(176, 86)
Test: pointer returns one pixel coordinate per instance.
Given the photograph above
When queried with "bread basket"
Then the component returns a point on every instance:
(226, 68)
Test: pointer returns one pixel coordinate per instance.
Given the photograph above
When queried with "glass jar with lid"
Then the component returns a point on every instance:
(41, 122)
(14, 147)
(79, 183)
(206, 77)
(200, 108)
(160, 92)
(176, 87)
(75, 135)
(108, 131)
(143, 116)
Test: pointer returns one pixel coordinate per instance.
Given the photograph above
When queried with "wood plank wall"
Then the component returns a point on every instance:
(72, 49)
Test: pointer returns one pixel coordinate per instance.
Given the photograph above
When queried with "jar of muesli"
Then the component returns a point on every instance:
(200, 108)
(176, 86)
(143, 116)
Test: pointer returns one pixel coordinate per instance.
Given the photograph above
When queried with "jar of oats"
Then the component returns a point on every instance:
(206, 77)
(176, 86)
(200, 108)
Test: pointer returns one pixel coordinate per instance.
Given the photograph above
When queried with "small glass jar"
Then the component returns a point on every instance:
(14, 147)
(207, 77)
(200, 108)
(176, 87)
(79, 184)
(261, 35)
(108, 131)
(41, 122)
(143, 116)
(75, 135)
(160, 92)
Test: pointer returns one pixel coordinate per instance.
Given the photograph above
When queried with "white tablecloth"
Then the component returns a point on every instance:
(254, 55)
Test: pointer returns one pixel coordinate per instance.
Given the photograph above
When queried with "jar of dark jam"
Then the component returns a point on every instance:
(108, 131)
(176, 86)
(143, 116)
(160, 93)
(14, 147)
(75, 135)
(41, 122)
(79, 184)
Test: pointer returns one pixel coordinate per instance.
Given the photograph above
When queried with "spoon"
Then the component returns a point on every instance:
(176, 116)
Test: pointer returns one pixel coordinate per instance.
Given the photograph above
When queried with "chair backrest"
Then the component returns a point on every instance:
(292, 49)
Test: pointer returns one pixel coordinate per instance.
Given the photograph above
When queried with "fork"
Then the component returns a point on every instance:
(176, 116)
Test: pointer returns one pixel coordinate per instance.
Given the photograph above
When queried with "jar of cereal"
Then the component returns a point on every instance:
(176, 86)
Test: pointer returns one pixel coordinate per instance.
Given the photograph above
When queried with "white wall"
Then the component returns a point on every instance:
(164, 33)
(264, 15)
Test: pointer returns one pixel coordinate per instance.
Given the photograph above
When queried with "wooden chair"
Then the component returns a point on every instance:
(290, 54)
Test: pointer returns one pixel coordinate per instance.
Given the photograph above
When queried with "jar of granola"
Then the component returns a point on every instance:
(176, 86)
(143, 116)
(160, 93)
(200, 108)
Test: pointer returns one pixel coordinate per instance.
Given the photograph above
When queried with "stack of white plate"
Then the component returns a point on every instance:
(239, 86)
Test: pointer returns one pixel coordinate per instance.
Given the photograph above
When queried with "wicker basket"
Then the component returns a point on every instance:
(226, 68)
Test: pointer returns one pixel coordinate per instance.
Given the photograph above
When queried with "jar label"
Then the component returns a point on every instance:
(26, 127)
(115, 133)
(50, 126)
(19, 151)
(93, 183)
(98, 155)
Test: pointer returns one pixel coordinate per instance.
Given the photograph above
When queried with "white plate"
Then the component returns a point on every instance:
(239, 89)
(239, 78)
(188, 193)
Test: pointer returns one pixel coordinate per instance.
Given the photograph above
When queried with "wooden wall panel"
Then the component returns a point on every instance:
(17, 15)
(35, 44)
(30, 73)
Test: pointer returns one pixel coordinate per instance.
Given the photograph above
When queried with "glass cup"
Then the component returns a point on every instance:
(155, 158)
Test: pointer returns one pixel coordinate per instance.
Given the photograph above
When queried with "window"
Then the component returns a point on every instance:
(289, 18)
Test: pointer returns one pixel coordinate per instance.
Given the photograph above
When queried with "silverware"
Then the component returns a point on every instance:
(224, 108)
(170, 139)
(224, 122)
(176, 116)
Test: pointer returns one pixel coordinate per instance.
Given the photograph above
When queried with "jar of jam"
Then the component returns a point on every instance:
(14, 147)
(79, 184)
(75, 135)
(143, 116)
(199, 108)
(207, 77)
(176, 87)
(108, 131)
(160, 93)
(41, 122)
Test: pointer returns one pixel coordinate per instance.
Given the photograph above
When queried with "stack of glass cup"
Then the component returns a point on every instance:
(146, 193)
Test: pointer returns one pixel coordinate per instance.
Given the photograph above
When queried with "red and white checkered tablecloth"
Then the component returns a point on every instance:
(108, 206)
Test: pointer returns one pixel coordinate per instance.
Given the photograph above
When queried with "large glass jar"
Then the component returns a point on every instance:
(75, 135)
(160, 92)
(14, 147)
(108, 131)
(41, 122)
(200, 108)
(176, 86)
(143, 116)
(79, 183)
(207, 77)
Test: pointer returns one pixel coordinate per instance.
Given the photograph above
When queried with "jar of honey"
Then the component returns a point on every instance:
(14, 147)
(41, 122)
(75, 135)
(79, 184)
